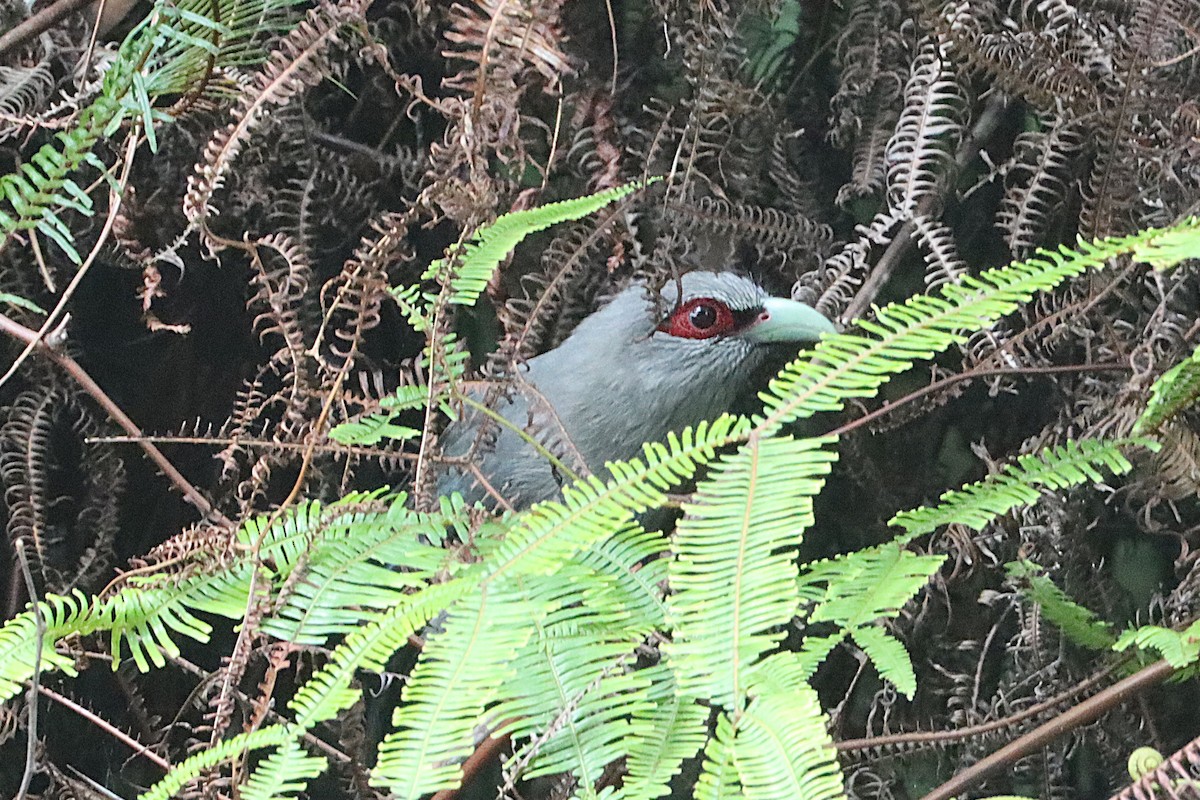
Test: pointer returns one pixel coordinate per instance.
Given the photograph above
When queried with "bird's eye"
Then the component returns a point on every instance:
(703, 317)
(700, 318)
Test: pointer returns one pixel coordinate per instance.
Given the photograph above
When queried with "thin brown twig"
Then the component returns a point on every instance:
(1087, 711)
(133, 744)
(971, 731)
(958, 377)
(72, 368)
(39, 23)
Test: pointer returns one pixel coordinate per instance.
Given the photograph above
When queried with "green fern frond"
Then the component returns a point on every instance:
(674, 728)
(164, 54)
(575, 694)
(782, 747)
(461, 668)
(283, 773)
(460, 673)
(150, 613)
(1180, 649)
(868, 585)
(461, 665)
(733, 576)
(1077, 623)
(145, 619)
(769, 40)
(889, 657)
(33, 195)
(815, 649)
(574, 689)
(853, 365)
(548, 534)
(61, 615)
(414, 303)
(374, 428)
(478, 258)
(231, 35)
(1178, 243)
(718, 775)
(368, 648)
(1176, 389)
(191, 768)
(1022, 484)
(359, 564)
(633, 560)
(860, 589)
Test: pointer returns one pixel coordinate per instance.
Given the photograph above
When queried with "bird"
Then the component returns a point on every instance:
(645, 364)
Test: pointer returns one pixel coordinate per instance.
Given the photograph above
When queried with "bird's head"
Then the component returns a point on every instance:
(647, 363)
(686, 350)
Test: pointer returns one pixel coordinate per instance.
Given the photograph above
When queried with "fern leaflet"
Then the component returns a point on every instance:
(1021, 484)
(1077, 623)
(1177, 389)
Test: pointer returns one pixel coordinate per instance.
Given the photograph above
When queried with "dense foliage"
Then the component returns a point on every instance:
(283, 233)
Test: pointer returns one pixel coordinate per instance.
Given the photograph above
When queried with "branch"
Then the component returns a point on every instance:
(72, 368)
(957, 377)
(1088, 711)
(38, 23)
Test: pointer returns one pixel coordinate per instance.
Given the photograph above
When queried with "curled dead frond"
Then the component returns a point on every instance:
(1039, 176)
(921, 151)
(351, 300)
(62, 492)
(874, 55)
(767, 227)
(300, 61)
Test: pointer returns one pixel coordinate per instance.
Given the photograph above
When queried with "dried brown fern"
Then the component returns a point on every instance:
(61, 491)
(300, 61)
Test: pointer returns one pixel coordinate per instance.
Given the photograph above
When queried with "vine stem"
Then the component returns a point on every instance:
(1087, 711)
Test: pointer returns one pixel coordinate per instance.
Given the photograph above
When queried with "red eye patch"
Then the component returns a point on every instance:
(699, 318)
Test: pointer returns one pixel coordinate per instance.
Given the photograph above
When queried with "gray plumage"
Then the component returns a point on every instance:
(618, 381)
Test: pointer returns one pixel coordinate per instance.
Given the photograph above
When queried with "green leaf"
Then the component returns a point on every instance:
(21, 302)
(1176, 389)
(782, 747)
(478, 259)
(1178, 243)
(1077, 623)
(235, 747)
(373, 428)
(283, 773)
(733, 576)
(862, 588)
(889, 657)
(1022, 484)
(674, 730)
(868, 585)
(460, 673)
(1180, 649)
